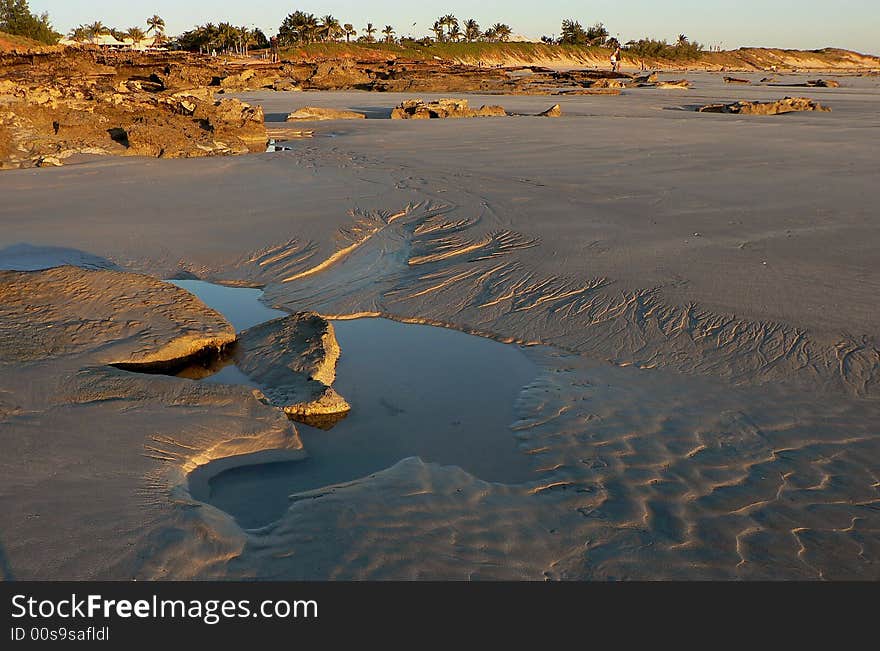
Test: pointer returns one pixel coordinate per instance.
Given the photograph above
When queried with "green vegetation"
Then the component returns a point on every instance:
(427, 50)
(683, 50)
(302, 28)
(574, 34)
(17, 19)
(92, 32)
(223, 37)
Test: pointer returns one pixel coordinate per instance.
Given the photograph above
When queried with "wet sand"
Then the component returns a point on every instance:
(706, 285)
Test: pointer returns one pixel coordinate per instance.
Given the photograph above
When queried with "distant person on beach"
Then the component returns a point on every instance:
(615, 59)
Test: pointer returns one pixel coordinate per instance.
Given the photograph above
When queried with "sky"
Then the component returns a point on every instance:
(801, 24)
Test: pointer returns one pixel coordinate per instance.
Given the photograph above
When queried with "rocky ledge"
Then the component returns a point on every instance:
(44, 124)
(785, 105)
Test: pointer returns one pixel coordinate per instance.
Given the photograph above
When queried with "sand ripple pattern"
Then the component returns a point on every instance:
(423, 263)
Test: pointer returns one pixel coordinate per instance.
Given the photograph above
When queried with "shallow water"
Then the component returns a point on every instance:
(415, 390)
(240, 305)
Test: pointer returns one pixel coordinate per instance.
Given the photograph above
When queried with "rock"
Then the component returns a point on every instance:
(554, 111)
(786, 105)
(314, 113)
(588, 91)
(651, 78)
(238, 120)
(42, 121)
(237, 82)
(823, 83)
(336, 75)
(286, 85)
(63, 311)
(202, 94)
(607, 83)
(444, 108)
(734, 80)
(679, 83)
(293, 359)
(49, 161)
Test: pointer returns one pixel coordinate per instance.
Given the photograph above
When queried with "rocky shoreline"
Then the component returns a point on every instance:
(61, 103)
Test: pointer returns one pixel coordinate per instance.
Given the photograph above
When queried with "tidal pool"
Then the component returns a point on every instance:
(415, 390)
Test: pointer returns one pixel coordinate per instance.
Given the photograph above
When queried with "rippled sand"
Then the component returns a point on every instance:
(703, 286)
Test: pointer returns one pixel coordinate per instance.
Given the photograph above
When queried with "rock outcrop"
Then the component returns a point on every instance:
(785, 105)
(680, 84)
(314, 113)
(46, 123)
(554, 111)
(154, 324)
(293, 360)
(444, 108)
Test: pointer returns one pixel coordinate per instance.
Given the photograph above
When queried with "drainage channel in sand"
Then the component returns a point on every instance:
(414, 390)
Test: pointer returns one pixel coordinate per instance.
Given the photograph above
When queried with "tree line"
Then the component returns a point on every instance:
(300, 28)
(92, 32)
(17, 18)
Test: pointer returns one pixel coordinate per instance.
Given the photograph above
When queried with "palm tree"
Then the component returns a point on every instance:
(155, 24)
(369, 30)
(246, 38)
(329, 28)
(227, 36)
(438, 30)
(471, 30)
(79, 34)
(136, 34)
(350, 31)
(298, 27)
(501, 31)
(682, 40)
(451, 23)
(389, 34)
(96, 29)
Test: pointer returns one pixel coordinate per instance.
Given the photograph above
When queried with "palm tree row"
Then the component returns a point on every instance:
(301, 27)
(447, 29)
(222, 37)
(94, 31)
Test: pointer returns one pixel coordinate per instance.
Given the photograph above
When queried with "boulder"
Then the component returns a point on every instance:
(444, 108)
(651, 78)
(314, 113)
(823, 83)
(786, 105)
(678, 83)
(554, 111)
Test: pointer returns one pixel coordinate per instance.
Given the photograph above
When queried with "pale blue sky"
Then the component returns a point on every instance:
(807, 24)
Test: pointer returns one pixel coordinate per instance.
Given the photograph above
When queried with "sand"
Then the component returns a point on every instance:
(707, 284)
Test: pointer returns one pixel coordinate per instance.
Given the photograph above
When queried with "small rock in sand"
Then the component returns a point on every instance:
(314, 113)
(554, 111)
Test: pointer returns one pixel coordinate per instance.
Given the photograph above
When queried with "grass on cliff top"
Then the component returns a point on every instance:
(536, 52)
(471, 52)
(13, 42)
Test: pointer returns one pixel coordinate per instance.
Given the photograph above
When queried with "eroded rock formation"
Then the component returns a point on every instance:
(45, 123)
(314, 113)
(293, 359)
(785, 105)
(417, 109)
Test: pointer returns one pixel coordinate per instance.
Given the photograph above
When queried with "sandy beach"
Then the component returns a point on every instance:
(697, 293)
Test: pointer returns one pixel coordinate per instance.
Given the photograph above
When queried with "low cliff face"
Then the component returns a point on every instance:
(45, 125)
